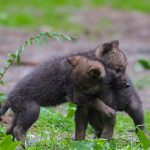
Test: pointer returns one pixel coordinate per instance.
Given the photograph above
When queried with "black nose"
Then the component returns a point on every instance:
(127, 85)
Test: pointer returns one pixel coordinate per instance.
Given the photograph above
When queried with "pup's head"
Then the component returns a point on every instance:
(115, 60)
(87, 75)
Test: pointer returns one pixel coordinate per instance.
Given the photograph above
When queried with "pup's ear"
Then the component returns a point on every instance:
(94, 73)
(104, 49)
(73, 60)
(115, 43)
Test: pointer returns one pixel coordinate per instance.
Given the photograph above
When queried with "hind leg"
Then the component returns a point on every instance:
(11, 125)
(135, 111)
(25, 119)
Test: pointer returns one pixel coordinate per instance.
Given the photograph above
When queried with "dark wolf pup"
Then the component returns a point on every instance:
(52, 83)
(126, 98)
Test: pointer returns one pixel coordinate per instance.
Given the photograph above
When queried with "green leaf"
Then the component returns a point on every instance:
(145, 142)
(18, 56)
(9, 61)
(67, 37)
(56, 35)
(12, 55)
(2, 97)
(7, 143)
(44, 35)
(22, 49)
(58, 38)
(29, 42)
(145, 63)
(38, 41)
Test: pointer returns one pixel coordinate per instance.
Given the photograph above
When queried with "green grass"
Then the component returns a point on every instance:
(33, 14)
(55, 130)
(55, 14)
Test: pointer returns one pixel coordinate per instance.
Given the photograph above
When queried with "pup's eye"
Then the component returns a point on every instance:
(118, 70)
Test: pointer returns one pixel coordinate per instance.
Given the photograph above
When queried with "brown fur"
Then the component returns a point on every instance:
(88, 80)
(87, 77)
(115, 60)
(125, 98)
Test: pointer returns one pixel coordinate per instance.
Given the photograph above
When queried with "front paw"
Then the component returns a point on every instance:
(110, 112)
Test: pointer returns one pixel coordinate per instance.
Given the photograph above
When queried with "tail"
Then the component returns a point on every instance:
(4, 107)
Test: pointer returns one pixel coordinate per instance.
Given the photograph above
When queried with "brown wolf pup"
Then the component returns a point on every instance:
(126, 98)
(50, 84)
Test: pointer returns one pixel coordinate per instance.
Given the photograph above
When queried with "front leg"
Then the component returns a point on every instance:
(109, 124)
(101, 107)
(102, 125)
(81, 121)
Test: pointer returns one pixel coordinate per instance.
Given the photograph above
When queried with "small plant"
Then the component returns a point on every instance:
(145, 63)
(145, 142)
(2, 97)
(16, 55)
(7, 144)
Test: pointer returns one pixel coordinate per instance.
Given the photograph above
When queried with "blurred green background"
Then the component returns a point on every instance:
(55, 13)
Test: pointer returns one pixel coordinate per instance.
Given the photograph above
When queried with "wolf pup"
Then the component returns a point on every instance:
(52, 83)
(127, 99)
